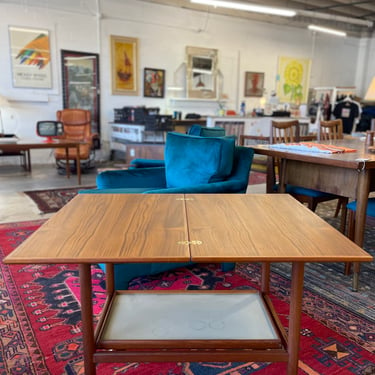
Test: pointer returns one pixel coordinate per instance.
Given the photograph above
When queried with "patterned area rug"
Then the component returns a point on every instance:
(40, 326)
(51, 200)
(257, 178)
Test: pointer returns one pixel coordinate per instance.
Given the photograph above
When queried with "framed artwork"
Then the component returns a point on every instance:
(80, 82)
(153, 83)
(293, 80)
(30, 57)
(254, 84)
(124, 53)
(201, 73)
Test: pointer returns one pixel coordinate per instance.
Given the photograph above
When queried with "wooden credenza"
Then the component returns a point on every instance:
(134, 141)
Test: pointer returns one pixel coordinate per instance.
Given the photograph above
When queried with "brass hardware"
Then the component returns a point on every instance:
(194, 242)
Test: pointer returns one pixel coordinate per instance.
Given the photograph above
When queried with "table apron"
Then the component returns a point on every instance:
(330, 179)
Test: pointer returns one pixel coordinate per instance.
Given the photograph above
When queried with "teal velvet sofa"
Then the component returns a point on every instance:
(193, 164)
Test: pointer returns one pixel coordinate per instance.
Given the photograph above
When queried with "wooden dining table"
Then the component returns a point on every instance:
(349, 174)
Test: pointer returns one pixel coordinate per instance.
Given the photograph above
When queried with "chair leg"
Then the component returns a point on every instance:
(338, 207)
(344, 210)
(313, 205)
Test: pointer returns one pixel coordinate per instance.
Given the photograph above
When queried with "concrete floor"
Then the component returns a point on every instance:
(17, 206)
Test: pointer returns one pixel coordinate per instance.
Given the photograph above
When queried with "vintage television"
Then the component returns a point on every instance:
(49, 129)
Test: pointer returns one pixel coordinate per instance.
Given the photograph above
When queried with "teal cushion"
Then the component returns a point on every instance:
(205, 131)
(370, 211)
(192, 160)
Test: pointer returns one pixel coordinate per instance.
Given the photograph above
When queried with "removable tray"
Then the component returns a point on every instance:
(198, 318)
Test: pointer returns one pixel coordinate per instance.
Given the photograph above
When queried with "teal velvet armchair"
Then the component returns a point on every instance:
(199, 130)
(193, 164)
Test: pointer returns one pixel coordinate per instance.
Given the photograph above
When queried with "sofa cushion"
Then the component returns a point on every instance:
(192, 160)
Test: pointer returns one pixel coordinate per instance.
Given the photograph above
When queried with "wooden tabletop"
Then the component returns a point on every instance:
(35, 143)
(346, 160)
(96, 228)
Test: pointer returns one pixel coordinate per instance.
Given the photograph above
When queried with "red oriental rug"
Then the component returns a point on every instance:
(41, 332)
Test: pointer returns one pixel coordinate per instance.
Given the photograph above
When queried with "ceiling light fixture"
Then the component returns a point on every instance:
(326, 30)
(247, 7)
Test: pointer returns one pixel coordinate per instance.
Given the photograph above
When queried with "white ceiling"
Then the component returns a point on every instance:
(347, 15)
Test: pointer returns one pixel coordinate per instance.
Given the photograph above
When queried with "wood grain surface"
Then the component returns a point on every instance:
(117, 228)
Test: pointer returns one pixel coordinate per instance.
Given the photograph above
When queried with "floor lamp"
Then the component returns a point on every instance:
(370, 96)
(3, 103)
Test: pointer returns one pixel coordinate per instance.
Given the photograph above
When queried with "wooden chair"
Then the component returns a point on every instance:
(352, 208)
(331, 130)
(286, 132)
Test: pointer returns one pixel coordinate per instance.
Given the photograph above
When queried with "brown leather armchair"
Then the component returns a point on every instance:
(77, 126)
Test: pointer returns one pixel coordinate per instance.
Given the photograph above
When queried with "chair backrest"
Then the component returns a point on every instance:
(331, 130)
(77, 127)
(77, 123)
(204, 131)
(285, 131)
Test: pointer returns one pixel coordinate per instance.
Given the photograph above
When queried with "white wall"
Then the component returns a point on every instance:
(163, 34)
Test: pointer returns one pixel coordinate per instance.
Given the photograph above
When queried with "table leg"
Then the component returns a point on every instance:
(67, 168)
(28, 160)
(282, 171)
(87, 318)
(78, 161)
(363, 190)
(270, 179)
(295, 312)
(265, 279)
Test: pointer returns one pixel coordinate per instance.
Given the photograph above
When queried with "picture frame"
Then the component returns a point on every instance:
(153, 83)
(202, 71)
(294, 79)
(124, 65)
(81, 84)
(30, 57)
(254, 84)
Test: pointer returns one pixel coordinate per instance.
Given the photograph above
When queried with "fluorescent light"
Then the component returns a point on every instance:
(247, 7)
(326, 30)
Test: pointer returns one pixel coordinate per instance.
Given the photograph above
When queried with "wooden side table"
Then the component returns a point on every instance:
(199, 326)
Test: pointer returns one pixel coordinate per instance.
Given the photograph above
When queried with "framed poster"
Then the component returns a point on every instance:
(153, 83)
(124, 53)
(201, 73)
(30, 57)
(254, 84)
(80, 82)
(293, 80)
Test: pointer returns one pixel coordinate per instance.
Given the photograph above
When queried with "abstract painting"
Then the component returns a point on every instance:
(30, 57)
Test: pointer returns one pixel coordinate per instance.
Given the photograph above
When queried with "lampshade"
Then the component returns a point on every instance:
(3, 101)
(370, 94)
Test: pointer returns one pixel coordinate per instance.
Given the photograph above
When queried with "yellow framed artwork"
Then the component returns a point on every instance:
(293, 80)
(124, 54)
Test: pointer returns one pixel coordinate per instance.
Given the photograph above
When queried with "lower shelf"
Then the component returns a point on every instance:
(189, 320)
